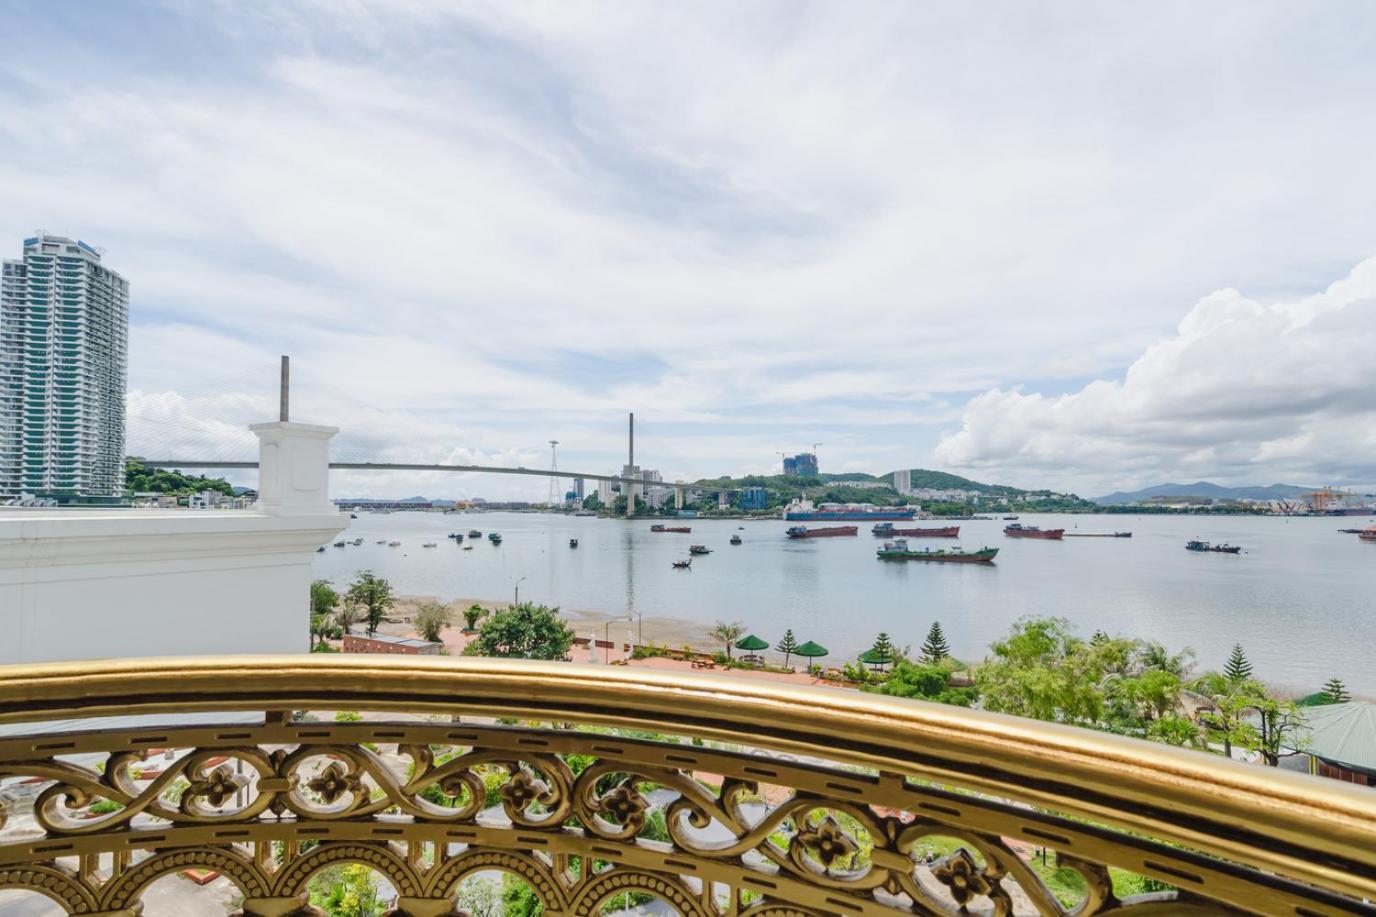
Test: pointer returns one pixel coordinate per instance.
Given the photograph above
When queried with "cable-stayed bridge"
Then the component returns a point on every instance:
(173, 434)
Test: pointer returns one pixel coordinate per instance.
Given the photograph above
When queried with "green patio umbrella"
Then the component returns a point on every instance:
(751, 644)
(871, 657)
(810, 651)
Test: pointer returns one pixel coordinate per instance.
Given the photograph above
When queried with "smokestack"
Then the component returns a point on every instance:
(285, 390)
(630, 467)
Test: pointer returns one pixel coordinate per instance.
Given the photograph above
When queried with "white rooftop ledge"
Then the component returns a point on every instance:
(99, 583)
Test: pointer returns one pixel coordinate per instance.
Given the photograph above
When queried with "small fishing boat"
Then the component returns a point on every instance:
(394, 544)
(735, 539)
(320, 550)
(684, 564)
(699, 549)
(1010, 518)
(573, 542)
(468, 547)
(474, 533)
(358, 541)
(1367, 534)
(382, 541)
(1204, 546)
(430, 544)
(494, 537)
(339, 544)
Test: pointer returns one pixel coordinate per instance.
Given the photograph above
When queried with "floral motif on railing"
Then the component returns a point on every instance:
(570, 813)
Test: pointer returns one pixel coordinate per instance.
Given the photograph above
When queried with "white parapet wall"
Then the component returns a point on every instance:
(100, 583)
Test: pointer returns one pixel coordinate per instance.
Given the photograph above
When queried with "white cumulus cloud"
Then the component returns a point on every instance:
(1243, 390)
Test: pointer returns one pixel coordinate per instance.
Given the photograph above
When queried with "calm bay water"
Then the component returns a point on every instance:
(1300, 599)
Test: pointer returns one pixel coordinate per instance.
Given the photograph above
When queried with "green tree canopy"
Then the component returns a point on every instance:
(525, 631)
(935, 648)
(788, 645)
(431, 619)
(926, 681)
(373, 595)
(472, 615)
(139, 478)
(883, 650)
(323, 597)
(1238, 668)
(1335, 692)
(1043, 670)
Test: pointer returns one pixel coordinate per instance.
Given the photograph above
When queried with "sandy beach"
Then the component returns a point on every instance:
(666, 631)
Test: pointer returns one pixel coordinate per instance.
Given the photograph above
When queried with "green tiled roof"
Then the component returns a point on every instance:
(1344, 733)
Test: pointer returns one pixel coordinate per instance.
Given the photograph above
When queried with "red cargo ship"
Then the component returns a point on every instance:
(886, 530)
(1017, 530)
(799, 531)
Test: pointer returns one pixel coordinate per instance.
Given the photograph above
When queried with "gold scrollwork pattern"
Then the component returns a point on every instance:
(581, 817)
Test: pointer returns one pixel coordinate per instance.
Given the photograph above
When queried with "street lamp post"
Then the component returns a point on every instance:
(516, 599)
(607, 637)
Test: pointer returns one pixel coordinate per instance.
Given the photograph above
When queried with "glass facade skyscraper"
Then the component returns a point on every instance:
(64, 340)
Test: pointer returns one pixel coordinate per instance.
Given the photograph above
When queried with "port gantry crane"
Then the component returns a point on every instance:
(1322, 500)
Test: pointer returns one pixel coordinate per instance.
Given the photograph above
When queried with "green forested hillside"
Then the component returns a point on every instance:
(139, 478)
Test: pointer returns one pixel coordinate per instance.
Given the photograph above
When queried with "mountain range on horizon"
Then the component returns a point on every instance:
(1205, 489)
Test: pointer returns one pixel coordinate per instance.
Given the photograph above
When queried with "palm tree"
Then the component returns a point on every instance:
(728, 633)
(1231, 714)
(322, 628)
(348, 614)
(323, 602)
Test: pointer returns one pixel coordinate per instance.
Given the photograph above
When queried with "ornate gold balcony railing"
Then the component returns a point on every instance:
(776, 800)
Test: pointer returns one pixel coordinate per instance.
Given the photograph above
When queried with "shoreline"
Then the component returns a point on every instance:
(674, 633)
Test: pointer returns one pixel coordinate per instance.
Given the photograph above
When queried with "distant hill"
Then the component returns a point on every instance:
(1205, 489)
(941, 480)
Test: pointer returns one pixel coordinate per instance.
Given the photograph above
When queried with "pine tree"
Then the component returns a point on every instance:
(936, 648)
(883, 649)
(1336, 691)
(1238, 669)
(788, 645)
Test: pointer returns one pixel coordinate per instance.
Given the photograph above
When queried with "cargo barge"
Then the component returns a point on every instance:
(1018, 530)
(887, 530)
(799, 531)
(1212, 548)
(681, 529)
(899, 550)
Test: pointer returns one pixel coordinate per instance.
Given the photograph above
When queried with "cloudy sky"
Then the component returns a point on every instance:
(1081, 245)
